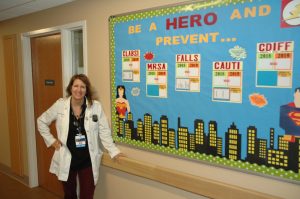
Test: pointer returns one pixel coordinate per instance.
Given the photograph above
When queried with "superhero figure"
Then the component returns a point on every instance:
(122, 104)
(290, 117)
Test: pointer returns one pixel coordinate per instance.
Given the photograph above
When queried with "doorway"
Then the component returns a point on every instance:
(47, 88)
(44, 87)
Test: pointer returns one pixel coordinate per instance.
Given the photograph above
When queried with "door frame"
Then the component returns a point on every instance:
(66, 53)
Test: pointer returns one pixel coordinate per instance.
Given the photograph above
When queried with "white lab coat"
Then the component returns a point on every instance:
(61, 160)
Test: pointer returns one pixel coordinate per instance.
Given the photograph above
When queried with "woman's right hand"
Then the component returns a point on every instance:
(56, 145)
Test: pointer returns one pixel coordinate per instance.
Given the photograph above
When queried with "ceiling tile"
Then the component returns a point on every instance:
(14, 8)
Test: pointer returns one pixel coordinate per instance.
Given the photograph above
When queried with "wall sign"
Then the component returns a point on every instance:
(49, 82)
(216, 81)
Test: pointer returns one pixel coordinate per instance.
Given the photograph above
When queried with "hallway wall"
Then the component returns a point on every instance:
(116, 184)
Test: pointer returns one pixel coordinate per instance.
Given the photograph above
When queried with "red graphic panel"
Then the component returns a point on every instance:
(290, 13)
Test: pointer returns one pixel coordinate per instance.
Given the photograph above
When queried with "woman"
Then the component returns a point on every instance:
(80, 122)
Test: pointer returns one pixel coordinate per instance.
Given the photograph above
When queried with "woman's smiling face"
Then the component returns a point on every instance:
(78, 89)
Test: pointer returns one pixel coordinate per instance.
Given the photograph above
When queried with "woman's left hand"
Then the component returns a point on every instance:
(118, 156)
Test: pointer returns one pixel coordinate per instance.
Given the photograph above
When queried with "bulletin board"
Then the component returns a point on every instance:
(213, 81)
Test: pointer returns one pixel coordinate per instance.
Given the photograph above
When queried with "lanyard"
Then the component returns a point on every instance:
(77, 122)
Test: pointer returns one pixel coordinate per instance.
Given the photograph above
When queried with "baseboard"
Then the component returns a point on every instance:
(7, 171)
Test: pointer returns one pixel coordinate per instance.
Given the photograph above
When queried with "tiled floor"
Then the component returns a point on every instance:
(12, 189)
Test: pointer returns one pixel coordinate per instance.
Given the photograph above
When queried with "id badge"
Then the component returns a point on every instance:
(80, 141)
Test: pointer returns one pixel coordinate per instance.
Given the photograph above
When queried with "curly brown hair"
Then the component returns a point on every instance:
(89, 91)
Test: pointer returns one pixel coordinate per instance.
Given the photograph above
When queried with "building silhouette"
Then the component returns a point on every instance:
(262, 151)
(272, 138)
(219, 147)
(293, 155)
(200, 141)
(252, 149)
(192, 146)
(164, 130)
(120, 127)
(156, 133)
(129, 116)
(212, 138)
(277, 158)
(233, 143)
(172, 138)
(148, 128)
(183, 137)
(128, 128)
(140, 130)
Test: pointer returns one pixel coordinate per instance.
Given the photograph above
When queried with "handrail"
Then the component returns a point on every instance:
(195, 184)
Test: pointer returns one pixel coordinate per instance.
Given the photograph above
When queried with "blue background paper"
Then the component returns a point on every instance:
(199, 105)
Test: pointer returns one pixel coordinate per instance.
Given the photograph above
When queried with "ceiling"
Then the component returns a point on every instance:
(14, 8)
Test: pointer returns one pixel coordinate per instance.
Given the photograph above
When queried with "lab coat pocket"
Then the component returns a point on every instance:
(64, 157)
(55, 162)
(94, 126)
(98, 159)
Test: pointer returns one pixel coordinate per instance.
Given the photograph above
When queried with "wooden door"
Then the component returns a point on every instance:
(13, 105)
(47, 88)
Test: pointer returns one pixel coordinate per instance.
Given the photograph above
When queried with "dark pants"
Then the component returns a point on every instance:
(86, 183)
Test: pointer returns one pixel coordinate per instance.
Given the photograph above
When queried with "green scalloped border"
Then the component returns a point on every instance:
(174, 9)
